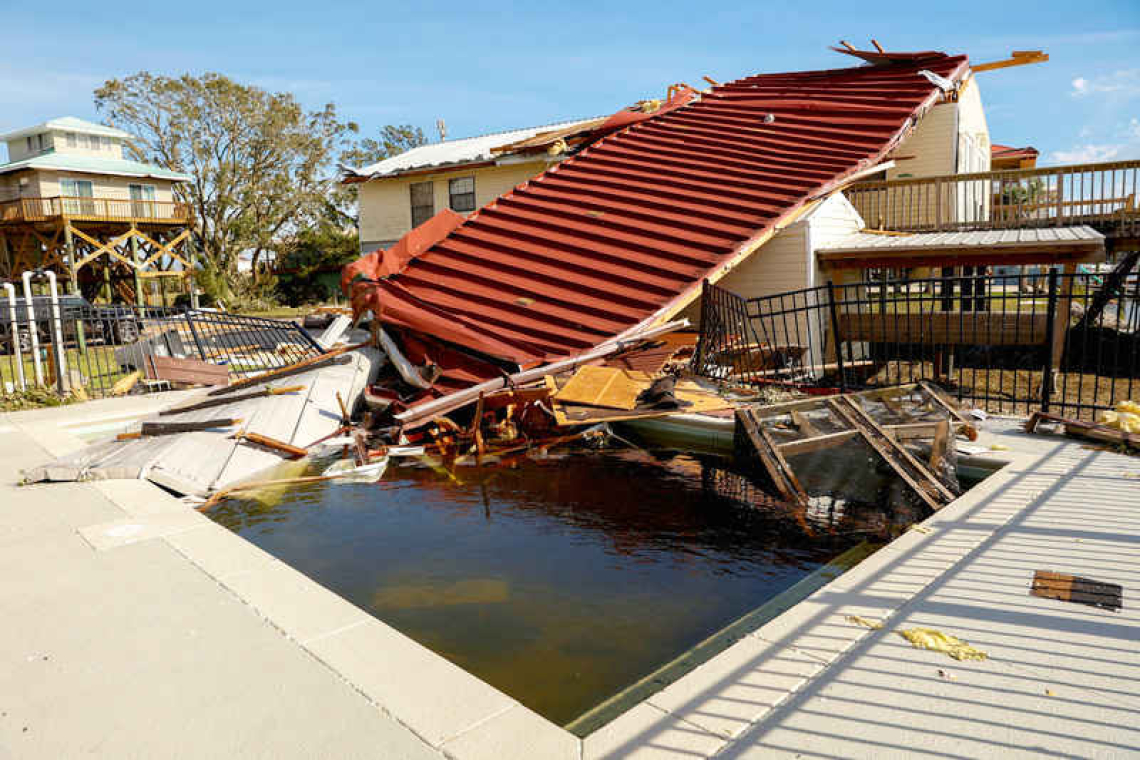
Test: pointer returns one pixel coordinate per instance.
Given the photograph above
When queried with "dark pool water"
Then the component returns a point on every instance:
(562, 581)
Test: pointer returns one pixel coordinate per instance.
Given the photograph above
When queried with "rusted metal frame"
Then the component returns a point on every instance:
(781, 474)
(916, 474)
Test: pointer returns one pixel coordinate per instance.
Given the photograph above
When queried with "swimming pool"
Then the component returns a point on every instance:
(561, 581)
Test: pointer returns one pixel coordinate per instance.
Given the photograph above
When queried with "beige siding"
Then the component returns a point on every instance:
(105, 186)
(931, 143)
(385, 204)
(108, 147)
(787, 261)
(972, 122)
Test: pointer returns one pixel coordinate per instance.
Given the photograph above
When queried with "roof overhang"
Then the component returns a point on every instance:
(58, 125)
(1049, 245)
(63, 167)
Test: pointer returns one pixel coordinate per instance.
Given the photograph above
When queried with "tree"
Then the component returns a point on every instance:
(304, 263)
(393, 140)
(261, 166)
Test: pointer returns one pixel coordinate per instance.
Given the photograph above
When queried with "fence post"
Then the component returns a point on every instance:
(1050, 334)
(194, 334)
(836, 337)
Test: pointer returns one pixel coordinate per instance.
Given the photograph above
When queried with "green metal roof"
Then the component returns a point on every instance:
(72, 162)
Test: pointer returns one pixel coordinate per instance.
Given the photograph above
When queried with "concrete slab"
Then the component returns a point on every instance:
(517, 734)
(433, 697)
(136, 651)
(299, 606)
(116, 533)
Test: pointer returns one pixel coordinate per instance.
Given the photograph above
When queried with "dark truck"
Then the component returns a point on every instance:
(101, 324)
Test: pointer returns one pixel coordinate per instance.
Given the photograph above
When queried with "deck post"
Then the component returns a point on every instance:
(73, 281)
(6, 253)
(140, 299)
(193, 258)
(1050, 341)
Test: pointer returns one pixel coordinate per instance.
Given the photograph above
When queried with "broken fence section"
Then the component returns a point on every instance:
(1008, 343)
(93, 351)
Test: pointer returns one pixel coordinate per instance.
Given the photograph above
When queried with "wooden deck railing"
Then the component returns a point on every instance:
(93, 209)
(1105, 196)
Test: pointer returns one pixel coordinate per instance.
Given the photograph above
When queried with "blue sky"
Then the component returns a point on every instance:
(512, 65)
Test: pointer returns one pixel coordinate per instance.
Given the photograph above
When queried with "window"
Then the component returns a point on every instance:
(139, 195)
(462, 194)
(77, 195)
(71, 139)
(30, 142)
(423, 202)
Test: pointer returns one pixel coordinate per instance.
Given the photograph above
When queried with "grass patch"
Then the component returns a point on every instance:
(97, 365)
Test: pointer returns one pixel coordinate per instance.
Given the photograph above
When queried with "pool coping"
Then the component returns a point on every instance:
(455, 712)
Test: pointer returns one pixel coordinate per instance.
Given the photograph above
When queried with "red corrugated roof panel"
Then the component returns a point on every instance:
(610, 237)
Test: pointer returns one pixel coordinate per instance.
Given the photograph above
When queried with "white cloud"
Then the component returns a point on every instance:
(1085, 154)
(1126, 146)
(1122, 83)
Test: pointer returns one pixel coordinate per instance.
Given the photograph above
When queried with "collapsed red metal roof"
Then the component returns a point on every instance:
(616, 235)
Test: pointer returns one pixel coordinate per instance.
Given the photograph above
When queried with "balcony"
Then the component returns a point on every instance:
(33, 210)
(1105, 196)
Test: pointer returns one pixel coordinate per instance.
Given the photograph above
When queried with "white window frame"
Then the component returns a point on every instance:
(452, 195)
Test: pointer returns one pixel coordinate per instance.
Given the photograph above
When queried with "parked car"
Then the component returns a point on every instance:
(101, 324)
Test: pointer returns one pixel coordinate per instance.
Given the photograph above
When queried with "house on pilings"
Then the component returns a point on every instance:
(71, 200)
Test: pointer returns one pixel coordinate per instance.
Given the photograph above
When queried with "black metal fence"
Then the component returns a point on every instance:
(92, 351)
(1007, 343)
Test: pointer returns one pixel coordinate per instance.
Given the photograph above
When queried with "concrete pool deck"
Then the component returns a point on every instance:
(135, 626)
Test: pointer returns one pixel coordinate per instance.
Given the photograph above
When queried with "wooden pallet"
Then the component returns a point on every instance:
(916, 474)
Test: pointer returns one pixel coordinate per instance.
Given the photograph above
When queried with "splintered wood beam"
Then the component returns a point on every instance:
(329, 357)
(271, 443)
(1017, 58)
(803, 424)
(942, 399)
(940, 445)
(770, 457)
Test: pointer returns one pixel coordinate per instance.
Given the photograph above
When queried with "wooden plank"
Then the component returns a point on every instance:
(272, 443)
(606, 387)
(773, 462)
(914, 473)
(190, 371)
(946, 328)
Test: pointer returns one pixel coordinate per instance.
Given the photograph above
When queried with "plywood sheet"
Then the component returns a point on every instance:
(605, 387)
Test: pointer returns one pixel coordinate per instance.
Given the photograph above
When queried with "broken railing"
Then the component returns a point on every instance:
(95, 351)
(1008, 343)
